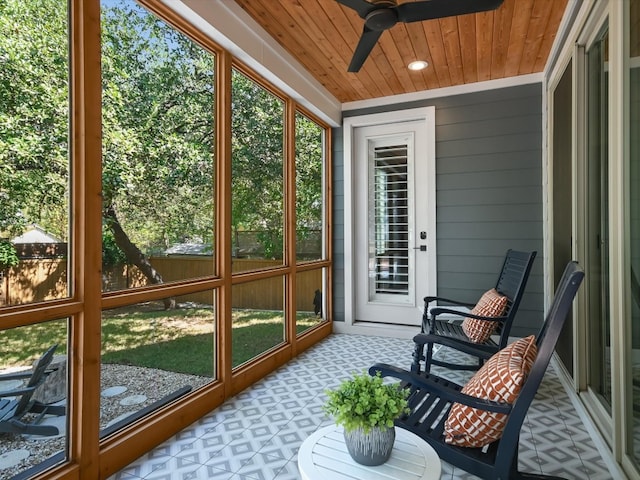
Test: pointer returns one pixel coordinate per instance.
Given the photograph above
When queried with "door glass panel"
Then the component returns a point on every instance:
(562, 198)
(43, 441)
(633, 388)
(598, 221)
(34, 151)
(389, 201)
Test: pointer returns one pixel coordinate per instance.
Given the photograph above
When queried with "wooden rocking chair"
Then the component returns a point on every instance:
(511, 283)
(432, 398)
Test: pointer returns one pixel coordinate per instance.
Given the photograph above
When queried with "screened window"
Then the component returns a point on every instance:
(158, 151)
(34, 152)
(257, 177)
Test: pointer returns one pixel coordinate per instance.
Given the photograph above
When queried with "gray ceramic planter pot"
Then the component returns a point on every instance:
(372, 448)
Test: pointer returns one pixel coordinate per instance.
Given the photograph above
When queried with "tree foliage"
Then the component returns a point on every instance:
(309, 161)
(34, 119)
(257, 176)
(8, 256)
(158, 128)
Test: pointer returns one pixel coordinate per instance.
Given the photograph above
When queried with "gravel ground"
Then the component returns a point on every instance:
(140, 392)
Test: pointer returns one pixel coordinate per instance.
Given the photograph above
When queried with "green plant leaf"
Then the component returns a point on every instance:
(365, 401)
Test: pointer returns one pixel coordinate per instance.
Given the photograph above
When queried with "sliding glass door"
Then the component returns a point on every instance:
(632, 384)
(597, 226)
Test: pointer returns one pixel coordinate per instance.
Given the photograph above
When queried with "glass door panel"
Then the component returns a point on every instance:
(597, 220)
(633, 73)
(389, 268)
(562, 197)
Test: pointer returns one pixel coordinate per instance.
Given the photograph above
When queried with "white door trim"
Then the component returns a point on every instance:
(427, 115)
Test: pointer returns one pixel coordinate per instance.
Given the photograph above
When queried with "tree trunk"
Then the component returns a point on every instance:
(133, 253)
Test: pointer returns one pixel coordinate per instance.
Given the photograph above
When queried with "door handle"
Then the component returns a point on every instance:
(422, 248)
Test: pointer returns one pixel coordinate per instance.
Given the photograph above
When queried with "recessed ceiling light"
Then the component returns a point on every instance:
(418, 65)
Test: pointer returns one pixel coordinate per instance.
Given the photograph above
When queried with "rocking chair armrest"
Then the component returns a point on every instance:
(437, 311)
(476, 349)
(430, 382)
(430, 299)
(445, 390)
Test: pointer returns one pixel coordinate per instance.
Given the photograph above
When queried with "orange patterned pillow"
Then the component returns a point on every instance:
(491, 304)
(499, 380)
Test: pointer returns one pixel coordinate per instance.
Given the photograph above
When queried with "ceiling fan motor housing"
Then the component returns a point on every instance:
(381, 19)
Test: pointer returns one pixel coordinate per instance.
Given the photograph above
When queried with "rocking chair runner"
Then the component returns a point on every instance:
(511, 283)
(13, 410)
(432, 398)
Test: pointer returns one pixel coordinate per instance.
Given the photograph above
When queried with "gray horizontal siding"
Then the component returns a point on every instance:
(488, 193)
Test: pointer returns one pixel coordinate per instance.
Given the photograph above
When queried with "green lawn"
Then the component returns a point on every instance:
(178, 340)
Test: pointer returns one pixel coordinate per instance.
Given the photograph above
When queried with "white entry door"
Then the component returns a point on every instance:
(394, 221)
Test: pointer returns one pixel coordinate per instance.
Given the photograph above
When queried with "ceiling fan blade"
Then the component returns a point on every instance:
(429, 9)
(361, 6)
(365, 45)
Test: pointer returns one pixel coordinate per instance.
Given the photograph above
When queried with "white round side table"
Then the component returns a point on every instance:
(324, 456)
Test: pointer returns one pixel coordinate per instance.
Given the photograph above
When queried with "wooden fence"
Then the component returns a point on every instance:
(34, 280)
(46, 279)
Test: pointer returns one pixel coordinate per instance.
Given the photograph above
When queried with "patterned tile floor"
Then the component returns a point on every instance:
(256, 434)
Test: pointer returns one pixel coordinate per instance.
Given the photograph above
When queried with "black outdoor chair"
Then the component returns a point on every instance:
(13, 410)
(511, 283)
(432, 397)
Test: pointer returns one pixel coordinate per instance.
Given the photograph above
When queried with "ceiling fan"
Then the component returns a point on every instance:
(381, 15)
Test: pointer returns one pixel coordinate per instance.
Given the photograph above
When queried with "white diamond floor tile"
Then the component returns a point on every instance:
(256, 434)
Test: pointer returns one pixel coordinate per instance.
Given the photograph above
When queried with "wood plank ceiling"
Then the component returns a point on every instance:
(514, 39)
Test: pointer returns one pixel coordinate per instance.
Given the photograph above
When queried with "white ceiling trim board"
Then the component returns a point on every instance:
(444, 92)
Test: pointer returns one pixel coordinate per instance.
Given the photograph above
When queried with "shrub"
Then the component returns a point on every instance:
(8, 255)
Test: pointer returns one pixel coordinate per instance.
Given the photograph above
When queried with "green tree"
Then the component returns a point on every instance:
(34, 106)
(257, 177)
(158, 135)
(309, 163)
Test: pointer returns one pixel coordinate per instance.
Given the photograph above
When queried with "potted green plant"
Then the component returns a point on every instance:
(366, 408)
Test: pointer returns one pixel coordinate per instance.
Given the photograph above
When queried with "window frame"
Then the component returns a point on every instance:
(88, 456)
